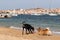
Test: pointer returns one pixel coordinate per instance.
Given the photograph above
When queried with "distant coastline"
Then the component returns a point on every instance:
(31, 11)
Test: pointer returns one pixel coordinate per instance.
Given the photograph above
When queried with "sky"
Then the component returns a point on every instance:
(15, 4)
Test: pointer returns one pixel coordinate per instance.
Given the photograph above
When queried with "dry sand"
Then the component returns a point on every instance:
(14, 34)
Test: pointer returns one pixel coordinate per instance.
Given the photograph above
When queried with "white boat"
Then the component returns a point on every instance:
(5, 16)
(14, 14)
(36, 14)
(51, 14)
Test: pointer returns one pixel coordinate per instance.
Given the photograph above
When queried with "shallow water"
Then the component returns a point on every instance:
(53, 22)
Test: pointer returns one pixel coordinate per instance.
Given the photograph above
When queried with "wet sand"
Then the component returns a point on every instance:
(15, 34)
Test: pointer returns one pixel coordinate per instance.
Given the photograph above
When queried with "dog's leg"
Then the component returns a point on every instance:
(23, 31)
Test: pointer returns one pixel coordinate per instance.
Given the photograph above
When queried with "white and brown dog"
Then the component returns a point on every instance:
(44, 31)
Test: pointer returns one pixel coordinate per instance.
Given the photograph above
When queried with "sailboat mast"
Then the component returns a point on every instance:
(50, 3)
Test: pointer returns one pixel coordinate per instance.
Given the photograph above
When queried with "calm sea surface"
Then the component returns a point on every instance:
(44, 21)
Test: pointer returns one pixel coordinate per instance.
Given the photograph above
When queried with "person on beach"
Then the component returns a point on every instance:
(28, 28)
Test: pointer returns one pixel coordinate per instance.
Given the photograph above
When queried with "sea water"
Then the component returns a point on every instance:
(53, 22)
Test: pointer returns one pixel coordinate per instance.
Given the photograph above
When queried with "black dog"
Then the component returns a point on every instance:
(29, 29)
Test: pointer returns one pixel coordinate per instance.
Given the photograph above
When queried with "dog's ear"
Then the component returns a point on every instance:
(38, 29)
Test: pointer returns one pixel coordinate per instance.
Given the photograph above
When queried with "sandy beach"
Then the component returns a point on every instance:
(14, 34)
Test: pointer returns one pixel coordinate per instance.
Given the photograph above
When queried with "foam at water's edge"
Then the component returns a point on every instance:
(15, 27)
(56, 32)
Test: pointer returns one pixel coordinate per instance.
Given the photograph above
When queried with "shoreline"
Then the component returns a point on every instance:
(16, 34)
(19, 28)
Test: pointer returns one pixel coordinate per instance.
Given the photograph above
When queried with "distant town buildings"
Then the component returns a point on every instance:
(31, 11)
